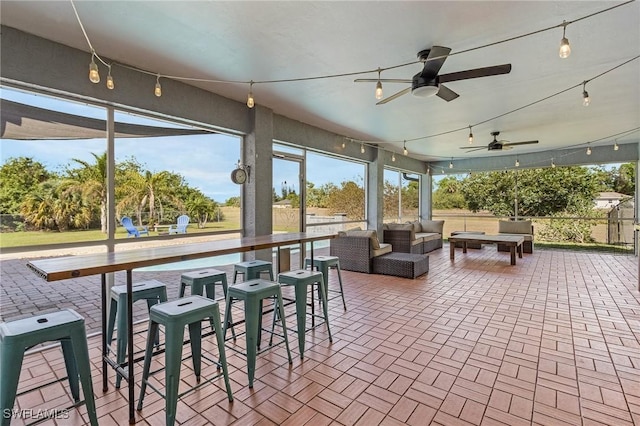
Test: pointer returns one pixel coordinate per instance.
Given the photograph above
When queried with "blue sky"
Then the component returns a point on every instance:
(205, 161)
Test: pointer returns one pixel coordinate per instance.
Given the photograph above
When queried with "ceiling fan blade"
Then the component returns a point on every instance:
(446, 93)
(519, 143)
(383, 80)
(473, 148)
(432, 66)
(395, 95)
(475, 73)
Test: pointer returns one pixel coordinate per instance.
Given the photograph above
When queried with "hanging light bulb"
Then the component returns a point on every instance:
(250, 101)
(343, 144)
(94, 75)
(110, 84)
(158, 90)
(361, 148)
(470, 135)
(517, 162)
(565, 49)
(451, 164)
(615, 146)
(405, 151)
(553, 164)
(379, 87)
(585, 95)
(393, 157)
(588, 150)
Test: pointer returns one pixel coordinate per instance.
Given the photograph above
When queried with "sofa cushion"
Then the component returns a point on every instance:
(417, 227)
(514, 227)
(429, 236)
(344, 233)
(432, 226)
(527, 237)
(370, 233)
(384, 249)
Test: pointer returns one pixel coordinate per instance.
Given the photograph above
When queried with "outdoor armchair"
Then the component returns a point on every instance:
(132, 230)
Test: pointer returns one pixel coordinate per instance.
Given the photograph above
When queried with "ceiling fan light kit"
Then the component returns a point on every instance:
(496, 145)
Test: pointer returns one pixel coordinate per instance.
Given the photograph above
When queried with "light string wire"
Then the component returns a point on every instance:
(432, 169)
(338, 75)
(380, 69)
(465, 128)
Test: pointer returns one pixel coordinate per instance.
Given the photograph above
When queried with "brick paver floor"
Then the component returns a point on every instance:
(554, 340)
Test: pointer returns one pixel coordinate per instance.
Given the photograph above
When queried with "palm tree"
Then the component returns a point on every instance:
(201, 207)
(91, 181)
(149, 190)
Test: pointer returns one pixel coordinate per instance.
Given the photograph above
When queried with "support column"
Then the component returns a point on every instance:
(426, 196)
(375, 191)
(257, 193)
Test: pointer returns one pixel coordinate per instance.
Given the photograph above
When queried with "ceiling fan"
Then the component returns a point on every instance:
(496, 145)
(428, 82)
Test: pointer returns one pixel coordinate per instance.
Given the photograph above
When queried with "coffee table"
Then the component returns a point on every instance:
(469, 245)
(514, 243)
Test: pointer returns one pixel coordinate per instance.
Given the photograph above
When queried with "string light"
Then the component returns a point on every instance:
(615, 146)
(588, 150)
(470, 135)
(158, 90)
(379, 87)
(405, 151)
(110, 84)
(250, 101)
(565, 48)
(517, 162)
(553, 164)
(393, 157)
(361, 148)
(343, 144)
(451, 164)
(585, 95)
(94, 75)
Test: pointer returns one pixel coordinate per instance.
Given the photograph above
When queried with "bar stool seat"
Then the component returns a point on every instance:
(323, 264)
(66, 326)
(253, 292)
(301, 280)
(205, 279)
(252, 269)
(174, 316)
(153, 291)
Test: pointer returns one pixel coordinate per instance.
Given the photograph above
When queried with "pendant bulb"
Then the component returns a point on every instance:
(470, 135)
(110, 84)
(615, 146)
(405, 151)
(158, 89)
(393, 157)
(517, 163)
(588, 150)
(586, 100)
(250, 102)
(362, 148)
(565, 48)
(94, 75)
(553, 164)
(451, 164)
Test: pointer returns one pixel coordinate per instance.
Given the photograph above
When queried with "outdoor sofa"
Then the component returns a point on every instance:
(418, 237)
(517, 227)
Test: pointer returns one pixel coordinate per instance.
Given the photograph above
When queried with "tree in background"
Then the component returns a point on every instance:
(89, 182)
(349, 199)
(410, 196)
(202, 208)
(390, 201)
(232, 202)
(448, 194)
(19, 177)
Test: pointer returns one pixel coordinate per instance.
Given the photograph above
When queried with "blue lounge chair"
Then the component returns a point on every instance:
(132, 230)
(181, 225)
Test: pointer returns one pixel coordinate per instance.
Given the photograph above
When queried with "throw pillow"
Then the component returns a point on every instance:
(370, 233)
(432, 226)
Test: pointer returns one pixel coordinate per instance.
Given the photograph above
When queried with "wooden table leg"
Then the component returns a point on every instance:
(464, 246)
(512, 249)
(452, 247)
(520, 251)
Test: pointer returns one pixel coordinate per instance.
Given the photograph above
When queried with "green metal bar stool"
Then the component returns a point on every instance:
(323, 264)
(174, 316)
(205, 279)
(253, 292)
(301, 280)
(17, 336)
(252, 269)
(153, 291)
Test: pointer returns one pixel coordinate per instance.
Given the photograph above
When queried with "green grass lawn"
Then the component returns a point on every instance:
(31, 238)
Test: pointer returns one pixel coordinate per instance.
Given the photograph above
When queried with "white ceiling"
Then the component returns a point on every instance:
(264, 40)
